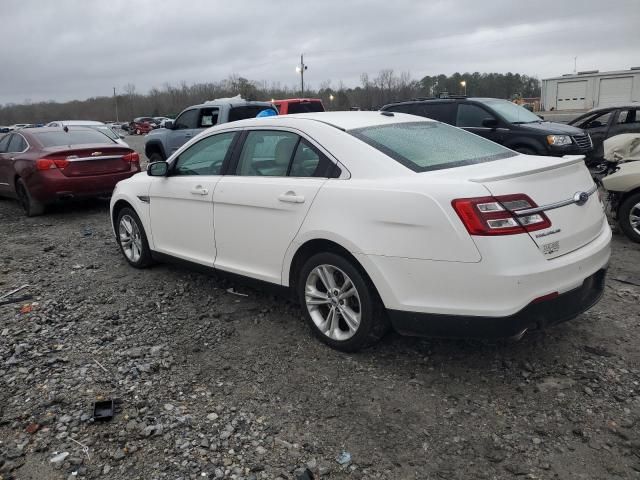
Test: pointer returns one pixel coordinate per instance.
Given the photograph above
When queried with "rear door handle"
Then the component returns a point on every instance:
(199, 191)
(291, 197)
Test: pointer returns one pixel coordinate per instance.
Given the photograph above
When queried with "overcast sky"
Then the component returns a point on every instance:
(75, 49)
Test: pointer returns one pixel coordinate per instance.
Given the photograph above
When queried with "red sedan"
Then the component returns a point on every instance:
(42, 165)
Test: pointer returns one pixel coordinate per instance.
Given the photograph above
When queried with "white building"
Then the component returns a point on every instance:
(585, 90)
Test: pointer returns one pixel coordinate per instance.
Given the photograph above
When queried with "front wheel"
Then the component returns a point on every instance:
(132, 239)
(629, 217)
(340, 303)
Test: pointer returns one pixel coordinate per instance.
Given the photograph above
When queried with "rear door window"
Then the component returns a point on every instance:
(208, 117)
(267, 153)
(309, 162)
(17, 144)
(442, 112)
(629, 116)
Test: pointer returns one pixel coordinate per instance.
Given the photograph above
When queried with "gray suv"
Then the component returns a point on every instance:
(161, 143)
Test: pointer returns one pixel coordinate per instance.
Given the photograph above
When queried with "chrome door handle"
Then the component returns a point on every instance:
(291, 197)
(199, 191)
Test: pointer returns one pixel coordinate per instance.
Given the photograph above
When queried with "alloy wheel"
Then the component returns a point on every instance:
(130, 238)
(333, 302)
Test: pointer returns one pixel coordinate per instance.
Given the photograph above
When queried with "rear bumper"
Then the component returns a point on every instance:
(536, 315)
(51, 185)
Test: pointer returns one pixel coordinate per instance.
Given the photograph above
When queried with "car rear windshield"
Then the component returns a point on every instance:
(72, 137)
(305, 107)
(425, 146)
(247, 111)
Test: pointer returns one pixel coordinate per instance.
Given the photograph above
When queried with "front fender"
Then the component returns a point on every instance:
(141, 207)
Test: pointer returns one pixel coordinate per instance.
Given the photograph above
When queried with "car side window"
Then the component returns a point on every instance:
(442, 112)
(266, 153)
(208, 117)
(16, 144)
(4, 143)
(629, 116)
(187, 120)
(204, 157)
(597, 121)
(309, 162)
(471, 116)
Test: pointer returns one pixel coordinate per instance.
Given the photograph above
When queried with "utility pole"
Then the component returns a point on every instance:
(115, 97)
(575, 64)
(300, 69)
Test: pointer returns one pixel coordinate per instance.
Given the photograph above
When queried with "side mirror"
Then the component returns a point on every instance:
(490, 123)
(541, 117)
(158, 169)
(168, 125)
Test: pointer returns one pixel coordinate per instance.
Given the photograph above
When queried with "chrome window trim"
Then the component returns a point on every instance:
(553, 206)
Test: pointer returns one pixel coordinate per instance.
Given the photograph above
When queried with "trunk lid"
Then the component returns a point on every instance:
(553, 184)
(90, 160)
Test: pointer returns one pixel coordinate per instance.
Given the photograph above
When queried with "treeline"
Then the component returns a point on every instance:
(370, 94)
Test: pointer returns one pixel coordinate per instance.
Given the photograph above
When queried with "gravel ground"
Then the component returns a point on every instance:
(210, 384)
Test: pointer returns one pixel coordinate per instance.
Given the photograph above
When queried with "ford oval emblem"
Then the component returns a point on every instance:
(580, 198)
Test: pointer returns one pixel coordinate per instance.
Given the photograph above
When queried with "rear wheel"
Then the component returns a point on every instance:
(629, 217)
(340, 303)
(30, 206)
(132, 239)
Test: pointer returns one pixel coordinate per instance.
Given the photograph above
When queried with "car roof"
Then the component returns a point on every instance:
(616, 105)
(292, 100)
(231, 102)
(346, 120)
(77, 122)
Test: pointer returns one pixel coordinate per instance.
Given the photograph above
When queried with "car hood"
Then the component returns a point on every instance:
(552, 128)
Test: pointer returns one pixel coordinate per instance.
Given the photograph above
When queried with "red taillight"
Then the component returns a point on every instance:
(493, 215)
(49, 163)
(132, 157)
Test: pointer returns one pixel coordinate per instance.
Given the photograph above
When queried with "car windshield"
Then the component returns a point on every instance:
(72, 137)
(511, 112)
(425, 146)
(305, 107)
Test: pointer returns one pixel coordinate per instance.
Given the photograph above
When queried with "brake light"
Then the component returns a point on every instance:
(50, 163)
(495, 215)
(132, 157)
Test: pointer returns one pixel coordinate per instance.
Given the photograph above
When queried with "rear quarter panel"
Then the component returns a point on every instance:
(394, 218)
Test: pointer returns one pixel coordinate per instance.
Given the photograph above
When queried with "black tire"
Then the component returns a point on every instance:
(155, 157)
(144, 260)
(30, 206)
(631, 203)
(526, 150)
(373, 324)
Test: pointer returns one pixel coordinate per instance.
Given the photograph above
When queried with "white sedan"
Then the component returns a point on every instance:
(376, 219)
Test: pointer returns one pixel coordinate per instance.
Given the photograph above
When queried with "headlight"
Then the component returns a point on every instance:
(559, 139)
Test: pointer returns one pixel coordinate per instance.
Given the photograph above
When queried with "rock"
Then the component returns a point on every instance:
(59, 458)
(212, 417)
(260, 450)
(119, 454)
(516, 468)
(554, 383)
(168, 407)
